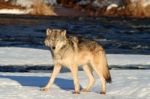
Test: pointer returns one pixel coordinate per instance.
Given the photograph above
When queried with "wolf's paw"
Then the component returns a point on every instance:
(44, 89)
(103, 93)
(85, 90)
(76, 92)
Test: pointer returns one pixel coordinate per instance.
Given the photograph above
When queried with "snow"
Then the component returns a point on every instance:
(37, 56)
(13, 11)
(128, 59)
(24, 3)
(24, 56)
(29, 3)
(127, 84)
(112, 6)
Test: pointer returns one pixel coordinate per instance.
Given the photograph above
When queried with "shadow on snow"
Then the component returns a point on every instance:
(66, 84)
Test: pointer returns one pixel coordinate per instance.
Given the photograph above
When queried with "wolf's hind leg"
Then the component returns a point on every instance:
(91, 82)
(99, 73)
(56, 70)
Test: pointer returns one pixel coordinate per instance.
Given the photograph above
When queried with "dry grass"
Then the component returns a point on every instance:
(130, 9)
(7, 5)
(147, 10)
(40, 8)
(137, 9)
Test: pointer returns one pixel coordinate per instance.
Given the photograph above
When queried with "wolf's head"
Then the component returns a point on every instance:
(56, 38)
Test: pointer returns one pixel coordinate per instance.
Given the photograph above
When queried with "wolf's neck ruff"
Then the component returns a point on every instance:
(64, 49)
(69, 43)
(66, 46)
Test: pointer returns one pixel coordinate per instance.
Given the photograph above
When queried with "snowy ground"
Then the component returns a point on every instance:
(24, 56)
(30, 56)
(127, 84)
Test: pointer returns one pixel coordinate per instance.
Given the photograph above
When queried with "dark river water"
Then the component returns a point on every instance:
(117, 35)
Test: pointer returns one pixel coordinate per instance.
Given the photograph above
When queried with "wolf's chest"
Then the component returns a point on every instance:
(66, 60)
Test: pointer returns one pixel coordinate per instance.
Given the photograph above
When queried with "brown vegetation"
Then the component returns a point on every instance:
(147, 11)
(40, 8)
(7, 5)
(71, 8)
(135, 9)
(130, 9)
(67, 3)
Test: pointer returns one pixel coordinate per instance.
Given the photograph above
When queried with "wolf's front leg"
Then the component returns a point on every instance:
(74, 71)
(56, 70)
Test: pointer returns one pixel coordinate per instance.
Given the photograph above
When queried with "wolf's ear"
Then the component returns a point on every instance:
(48, 32)
(63, 33)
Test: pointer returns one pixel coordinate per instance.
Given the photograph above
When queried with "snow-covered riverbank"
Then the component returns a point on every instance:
(30, 56)
(127, 84)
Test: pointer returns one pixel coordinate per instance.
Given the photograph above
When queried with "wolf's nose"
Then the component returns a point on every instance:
(53, 47)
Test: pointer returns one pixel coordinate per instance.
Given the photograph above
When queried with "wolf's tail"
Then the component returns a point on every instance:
(104, 67)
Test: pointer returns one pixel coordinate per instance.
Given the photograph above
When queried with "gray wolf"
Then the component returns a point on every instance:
(70, 51)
